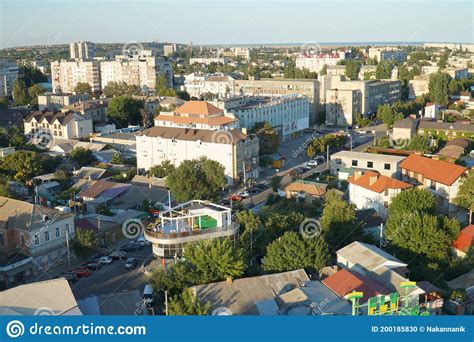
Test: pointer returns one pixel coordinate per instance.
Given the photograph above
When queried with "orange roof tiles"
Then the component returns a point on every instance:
(380, 184)
(437, 170)
(216, 121)
(198, 108)
(465, 239)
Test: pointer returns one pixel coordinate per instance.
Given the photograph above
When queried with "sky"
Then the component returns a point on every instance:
(50, 22)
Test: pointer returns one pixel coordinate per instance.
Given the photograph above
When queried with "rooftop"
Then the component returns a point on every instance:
(376, 182)
(367, 156)
(198, 108)
(205, 135)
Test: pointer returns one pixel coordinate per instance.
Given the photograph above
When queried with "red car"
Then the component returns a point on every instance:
(81, 272)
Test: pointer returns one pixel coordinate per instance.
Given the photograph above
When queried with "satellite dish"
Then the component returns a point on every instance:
(222, 311)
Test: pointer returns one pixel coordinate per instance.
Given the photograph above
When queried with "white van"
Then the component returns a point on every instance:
(148, 295)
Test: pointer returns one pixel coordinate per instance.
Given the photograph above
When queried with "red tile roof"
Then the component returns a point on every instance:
(345, 281)
(198, 108)
(215, 121)
(465, 239)
(380, 184)
(437, 170)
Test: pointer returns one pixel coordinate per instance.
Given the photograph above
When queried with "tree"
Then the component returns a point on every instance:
(3, 103)
(113, 89)
(352, 69)
(5, 189)
(162, 88)
(292, 251)
(23, 165)
(12, 136)
(84, 243)
(413, 199)
(438, 87)
(388, 115)
(252, 234)
(82, 156)
(419, 143)
(34, 91)
(125, 110)
(83, 87)
(384, 70)
(187, 304)
(197, 179)
(362, 120)
(269, 140)
(320, 145)
(184, 95)
(275, 182)
(177, 277)
(338, 221)
(162, 170)
(30, 75)
(20, 93)
(324, 70)
(117, 159)
(215, 260)
(443, 61)
(465, 195)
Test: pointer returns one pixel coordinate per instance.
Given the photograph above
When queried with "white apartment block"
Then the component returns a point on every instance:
(54, 102)
(8, 74)
(287, 114)
(170, 49)
(418, 86)
(315, 62)
(342, 106)
(387, 53)
(82, 50)
(344, 163)
(371, 190)
(217, 84)
(233, 149)
(243, 53)
(67, 74)
(141, 69)
(60, 125)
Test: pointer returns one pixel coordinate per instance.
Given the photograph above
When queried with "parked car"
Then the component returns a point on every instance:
(131, 247)
(355, 144)
(263, 185)
(105, 260)
(148, 295)
(81, 272)
(69, 276)
(225, 202)
(236, 198)
(244, 194)
(131, 263)
(320, 159)
(142, 241)
(92, 265)
(120, 255)
(254, 191)
(306, 166)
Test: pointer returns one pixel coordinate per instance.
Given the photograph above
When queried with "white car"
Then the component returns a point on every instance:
(312, 163)
(105, 260)
(244, 194)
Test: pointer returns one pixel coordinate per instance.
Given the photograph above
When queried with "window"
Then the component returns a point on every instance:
(432, 185)
(58, 233)
(354, 162)
(46, 235)
(386, 166)
(37, 239)
(386, 192)
(370, 164)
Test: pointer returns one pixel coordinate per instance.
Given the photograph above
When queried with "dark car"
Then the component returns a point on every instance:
(92, 265)
(254, 191)
(355, 144)
(263, 185)
(118, 255)
(69, 276)
(225, 202)
(131, 263)
(131, 247)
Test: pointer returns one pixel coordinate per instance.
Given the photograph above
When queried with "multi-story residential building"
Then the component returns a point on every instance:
(315, 62)
(234, 149)
(217, 84)
(139, 69)
(208, 60)
(8, 74)
(243, 53)
(446, 130)
(342, 106)
(440, 177)
(278, 87)
(458, 73)
(371, 190)
(287, 114)
(336, 70)
(54, 102)
(188, 223)
(32, 237)
(372, 93)
(67, 74)
(170, 49)
(367, 72)
(197, 115)
(418, 86)
(388, 53)
(82, 51)
(69, 125)
(94, 109)
(344, 163)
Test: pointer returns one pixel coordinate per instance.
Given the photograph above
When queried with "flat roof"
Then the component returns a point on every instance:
(366, 155)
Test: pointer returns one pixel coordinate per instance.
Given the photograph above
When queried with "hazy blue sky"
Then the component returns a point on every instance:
(49, 22)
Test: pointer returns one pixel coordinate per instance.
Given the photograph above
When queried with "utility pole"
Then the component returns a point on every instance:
(327, 158)
(381, 236)
(243, 169)
(68, 253)
(166, 303)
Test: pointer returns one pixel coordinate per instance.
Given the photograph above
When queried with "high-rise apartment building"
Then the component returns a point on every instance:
(82, 50)
(67, 74)
(8, 74)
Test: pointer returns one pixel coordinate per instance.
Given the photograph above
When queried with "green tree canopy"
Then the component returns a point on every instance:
(162, 88)
(438, 88)
(197, 179)
(388, 115)
(162, 170)
(23, 165)
(113, 89)
(83, 87)
(292, 251)
(187, 304)
(269, 140)
(82, 156)
(384, 70)
(20, 93)
(352, 69)
(465, 195)
(125, 110)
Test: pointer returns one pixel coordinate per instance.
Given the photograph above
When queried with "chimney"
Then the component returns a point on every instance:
(373, 179)
(357, 174)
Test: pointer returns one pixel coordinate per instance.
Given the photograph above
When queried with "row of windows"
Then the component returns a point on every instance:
(369, 164)
(47, 236)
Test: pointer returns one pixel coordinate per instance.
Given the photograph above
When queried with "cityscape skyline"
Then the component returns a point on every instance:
(443, 22)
